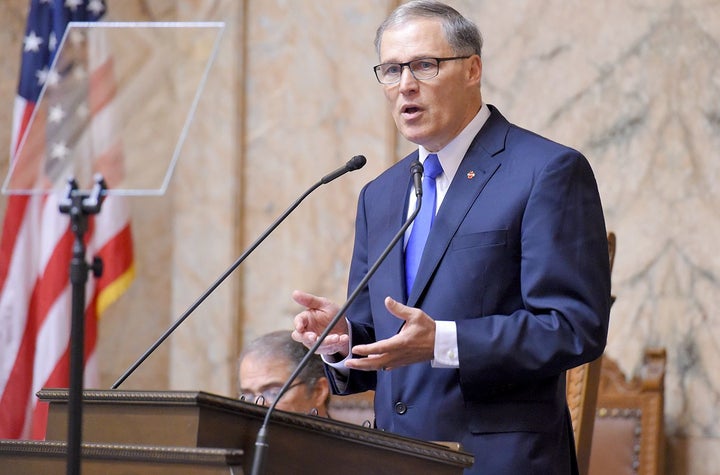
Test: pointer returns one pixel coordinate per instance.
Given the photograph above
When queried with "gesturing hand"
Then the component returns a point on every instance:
(312, 321)
(415, 342)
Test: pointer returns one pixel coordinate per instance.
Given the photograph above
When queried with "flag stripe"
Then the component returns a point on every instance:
(14, 300)
(118, 271)
(20, 118)
(13, 220)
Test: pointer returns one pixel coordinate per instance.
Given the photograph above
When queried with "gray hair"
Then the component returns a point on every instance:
(280, 345)
(462, 34)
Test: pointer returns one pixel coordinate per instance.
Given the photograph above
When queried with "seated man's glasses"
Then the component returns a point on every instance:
(422, 69)
(268, 395)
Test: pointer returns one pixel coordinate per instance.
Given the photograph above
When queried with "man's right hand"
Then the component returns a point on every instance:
(312, 321)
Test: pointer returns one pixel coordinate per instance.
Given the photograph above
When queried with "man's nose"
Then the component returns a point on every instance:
(407, 80)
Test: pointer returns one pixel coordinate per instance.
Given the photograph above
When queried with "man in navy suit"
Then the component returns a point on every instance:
(513, 287)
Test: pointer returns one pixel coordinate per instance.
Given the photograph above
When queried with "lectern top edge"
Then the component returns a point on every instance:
(207, 403)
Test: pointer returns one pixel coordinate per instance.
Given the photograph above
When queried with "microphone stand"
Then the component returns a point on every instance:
(354, 163)
(78, 205)
(261, 444)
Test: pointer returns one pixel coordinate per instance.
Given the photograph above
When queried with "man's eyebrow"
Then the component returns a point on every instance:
(413, 58)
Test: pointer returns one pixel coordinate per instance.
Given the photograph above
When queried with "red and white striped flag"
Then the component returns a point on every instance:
(36, 243)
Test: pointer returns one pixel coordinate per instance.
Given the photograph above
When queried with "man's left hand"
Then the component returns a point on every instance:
(415, 342)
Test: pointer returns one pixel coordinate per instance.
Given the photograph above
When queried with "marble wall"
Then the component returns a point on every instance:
(634, 85)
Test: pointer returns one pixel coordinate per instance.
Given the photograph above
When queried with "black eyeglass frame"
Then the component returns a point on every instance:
(377, 67)
(268, 395)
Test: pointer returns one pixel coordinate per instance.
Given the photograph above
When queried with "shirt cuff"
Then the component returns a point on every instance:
(339, 365)
(446, 349)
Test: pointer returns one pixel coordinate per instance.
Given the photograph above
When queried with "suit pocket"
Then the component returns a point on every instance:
(481, 239)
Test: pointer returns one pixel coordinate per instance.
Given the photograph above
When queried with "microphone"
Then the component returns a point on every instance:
(358, 161)
(416, 169)
(261, 443)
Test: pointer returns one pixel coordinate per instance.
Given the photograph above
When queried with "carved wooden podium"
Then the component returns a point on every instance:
(163, 432)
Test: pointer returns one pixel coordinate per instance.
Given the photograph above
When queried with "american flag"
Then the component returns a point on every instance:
(36, 243)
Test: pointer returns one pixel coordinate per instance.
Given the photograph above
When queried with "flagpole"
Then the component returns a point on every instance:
(79, 205)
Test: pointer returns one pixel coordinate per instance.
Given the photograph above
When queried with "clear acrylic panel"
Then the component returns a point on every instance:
(118, 101)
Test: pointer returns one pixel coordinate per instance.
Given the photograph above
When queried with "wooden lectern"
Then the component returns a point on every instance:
(178, 432)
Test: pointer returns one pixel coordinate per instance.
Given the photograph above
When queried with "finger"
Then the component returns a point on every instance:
(300, 322)
(338, 339)
(371, 363)
(396, 308)
(303, 326)
(307, 300)
(299, 336)
(306, 338)
(379, 347)
(334, 344)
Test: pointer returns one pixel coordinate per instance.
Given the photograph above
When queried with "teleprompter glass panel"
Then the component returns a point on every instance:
(118, 101)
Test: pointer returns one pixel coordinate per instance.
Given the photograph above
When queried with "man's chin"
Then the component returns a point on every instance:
(413, 134)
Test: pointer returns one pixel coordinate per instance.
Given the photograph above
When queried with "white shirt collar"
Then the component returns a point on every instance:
(452, 154)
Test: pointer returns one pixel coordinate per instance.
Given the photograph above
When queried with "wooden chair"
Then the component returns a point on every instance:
(582, 391)
(629, 434)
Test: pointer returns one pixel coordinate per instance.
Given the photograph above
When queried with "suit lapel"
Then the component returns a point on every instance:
(481, 161)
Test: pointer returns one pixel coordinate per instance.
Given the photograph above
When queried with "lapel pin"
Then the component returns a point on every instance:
(471, 175)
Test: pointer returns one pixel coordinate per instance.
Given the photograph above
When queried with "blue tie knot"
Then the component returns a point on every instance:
(432, 167)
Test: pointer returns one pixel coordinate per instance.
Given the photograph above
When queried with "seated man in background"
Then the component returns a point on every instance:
(268, 361)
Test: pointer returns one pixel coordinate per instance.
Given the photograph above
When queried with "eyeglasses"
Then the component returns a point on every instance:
(267, 396)
(422, 69)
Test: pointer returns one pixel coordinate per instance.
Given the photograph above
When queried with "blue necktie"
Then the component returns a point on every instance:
(423, 221)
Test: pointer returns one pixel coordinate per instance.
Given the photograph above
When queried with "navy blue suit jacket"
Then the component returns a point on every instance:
(518, 258)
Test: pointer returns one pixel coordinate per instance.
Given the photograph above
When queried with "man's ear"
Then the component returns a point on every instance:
(475, 69)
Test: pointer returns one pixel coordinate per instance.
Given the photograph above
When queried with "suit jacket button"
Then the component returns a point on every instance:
(400, 408)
